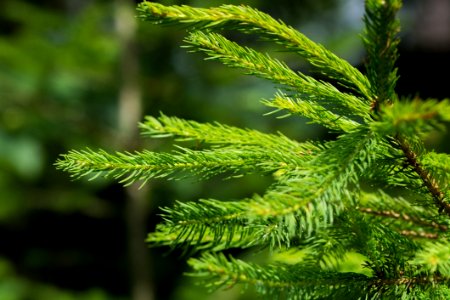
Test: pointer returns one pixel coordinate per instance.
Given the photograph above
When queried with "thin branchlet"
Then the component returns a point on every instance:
(381, 40)
(430, 183)
(403, 216)
(250, 20)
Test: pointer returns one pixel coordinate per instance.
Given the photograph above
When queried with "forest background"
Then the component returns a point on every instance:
(66, 68)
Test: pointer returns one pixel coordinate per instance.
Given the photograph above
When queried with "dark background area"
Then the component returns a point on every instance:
(62, 70)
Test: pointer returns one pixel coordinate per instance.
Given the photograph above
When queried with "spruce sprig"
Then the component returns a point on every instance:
(219, 135)
(375, 190)
(217, 47)
(381, 41)
(142, 166)
(250, 20)
(275, 281)
(315, 112)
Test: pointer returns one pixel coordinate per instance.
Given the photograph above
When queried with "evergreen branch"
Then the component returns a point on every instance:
(305, 282)
(439, 165)
(279, 215)
(250, 20)
(217, 47)
(222, 135)
(131, 167)
(328, 247)
(293, 282)
(292, 208)
(410, 118)
(404, 212)
(381, 41)
(408, 281)
(387, 250)
(297, 205)
(413, 287)
(398, 221)
(211, 238)
(206, 224)
(430, 183)
(404, 217)
(218, 225)
(392, 171)
(317, 113)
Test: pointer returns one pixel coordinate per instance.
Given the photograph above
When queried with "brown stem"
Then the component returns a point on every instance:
(402, 216)
(430, 183)
(410, 280)
(417, 234)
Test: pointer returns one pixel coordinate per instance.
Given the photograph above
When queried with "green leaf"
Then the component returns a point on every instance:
(221, 135)
(302, 201)
(311, 110)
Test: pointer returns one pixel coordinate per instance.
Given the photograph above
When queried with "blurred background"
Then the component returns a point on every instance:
(82, 73)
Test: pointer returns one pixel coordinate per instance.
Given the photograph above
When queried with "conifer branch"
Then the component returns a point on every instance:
(317, 113)
(411, 118)
(217, 47)
(286, 210)
(297, 282)
(207, 224)
(221, 135)
(430, 183)
(298, 203)
(250, 20)
(131, 167)
(439, 165)
(202, 238)
(318, 201)
(210, 224)
(404, 285)
(402, 216)
(230, 224)
(381, 41)
(291, 208)
(274, 280)
(397, 208)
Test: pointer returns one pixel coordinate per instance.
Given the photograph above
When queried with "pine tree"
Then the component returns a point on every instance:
(375, 190)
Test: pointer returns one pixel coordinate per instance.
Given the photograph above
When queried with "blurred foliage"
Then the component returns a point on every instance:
(14, 287)
(58, 91)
